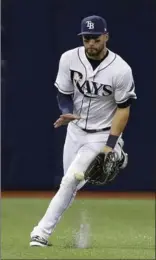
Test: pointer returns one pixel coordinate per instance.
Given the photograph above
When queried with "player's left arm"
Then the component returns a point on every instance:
(124, 94)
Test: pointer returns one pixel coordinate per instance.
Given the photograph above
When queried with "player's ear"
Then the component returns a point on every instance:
(106, 37)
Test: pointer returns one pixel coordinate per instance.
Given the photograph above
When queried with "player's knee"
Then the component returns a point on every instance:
(68, 182)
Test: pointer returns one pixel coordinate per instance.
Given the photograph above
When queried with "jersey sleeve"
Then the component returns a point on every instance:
(63, 80)
(124, 88)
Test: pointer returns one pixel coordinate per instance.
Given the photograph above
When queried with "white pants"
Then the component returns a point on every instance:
(79, 150)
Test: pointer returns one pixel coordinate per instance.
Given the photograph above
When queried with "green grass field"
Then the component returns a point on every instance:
(120, 229)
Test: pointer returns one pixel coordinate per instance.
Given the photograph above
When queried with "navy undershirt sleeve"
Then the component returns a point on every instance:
(65, 103)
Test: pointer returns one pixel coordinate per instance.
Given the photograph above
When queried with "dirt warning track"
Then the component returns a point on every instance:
(80, 195)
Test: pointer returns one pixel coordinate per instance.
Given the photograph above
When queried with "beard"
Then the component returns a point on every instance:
(93, 52)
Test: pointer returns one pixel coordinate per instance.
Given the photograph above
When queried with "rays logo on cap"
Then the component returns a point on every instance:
(90, 24)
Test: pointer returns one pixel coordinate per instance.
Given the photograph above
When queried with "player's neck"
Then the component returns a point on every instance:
(101, 55)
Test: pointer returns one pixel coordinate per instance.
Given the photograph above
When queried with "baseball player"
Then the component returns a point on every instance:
(95, 92)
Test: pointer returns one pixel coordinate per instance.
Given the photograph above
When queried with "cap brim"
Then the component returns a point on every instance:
(91, 33)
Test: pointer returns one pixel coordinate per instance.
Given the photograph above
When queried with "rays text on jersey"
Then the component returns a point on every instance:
(90, 88)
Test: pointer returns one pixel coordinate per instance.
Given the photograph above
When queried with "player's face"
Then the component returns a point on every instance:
(95, 45)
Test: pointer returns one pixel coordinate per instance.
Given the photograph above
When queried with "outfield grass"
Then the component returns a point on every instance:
(120, 229)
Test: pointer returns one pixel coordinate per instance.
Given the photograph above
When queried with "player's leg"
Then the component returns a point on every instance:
(123, 157)
(64, 196)
(70, 149)
(68, 188)
(69, 152)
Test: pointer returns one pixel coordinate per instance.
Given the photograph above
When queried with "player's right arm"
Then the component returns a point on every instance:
(65, 91)
(124, 93)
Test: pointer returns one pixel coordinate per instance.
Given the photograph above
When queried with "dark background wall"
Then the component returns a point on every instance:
(35, 34)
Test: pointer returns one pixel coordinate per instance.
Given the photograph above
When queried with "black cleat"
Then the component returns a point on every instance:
(39, 241)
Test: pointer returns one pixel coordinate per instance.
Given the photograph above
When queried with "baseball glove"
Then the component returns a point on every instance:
(103, 169)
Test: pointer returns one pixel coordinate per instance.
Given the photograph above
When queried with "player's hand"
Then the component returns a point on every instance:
(65, 119)
(107, 149)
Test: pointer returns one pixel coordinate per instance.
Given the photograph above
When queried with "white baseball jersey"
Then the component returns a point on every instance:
(96, 93)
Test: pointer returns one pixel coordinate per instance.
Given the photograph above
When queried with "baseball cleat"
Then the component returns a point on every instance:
(39, 241)
(124, 160)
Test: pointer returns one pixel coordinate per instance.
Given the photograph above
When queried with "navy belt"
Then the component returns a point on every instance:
(91, 131)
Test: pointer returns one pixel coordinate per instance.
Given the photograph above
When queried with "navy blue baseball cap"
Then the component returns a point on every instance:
(93, 25)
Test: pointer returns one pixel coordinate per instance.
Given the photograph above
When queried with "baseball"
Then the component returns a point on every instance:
(79, 176)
